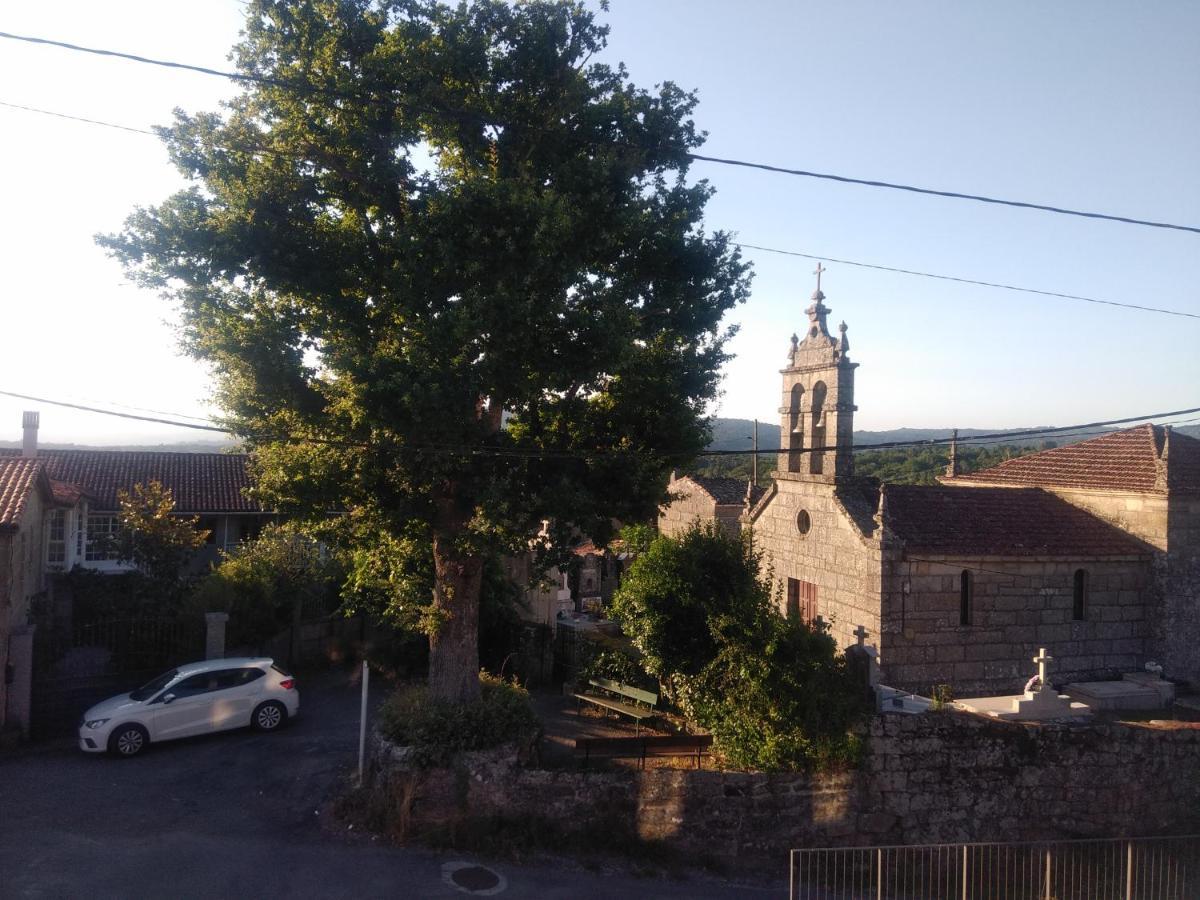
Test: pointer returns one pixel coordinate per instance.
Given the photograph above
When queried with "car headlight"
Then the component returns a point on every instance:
(94, 723)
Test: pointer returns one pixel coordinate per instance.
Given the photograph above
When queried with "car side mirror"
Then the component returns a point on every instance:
(168, 698)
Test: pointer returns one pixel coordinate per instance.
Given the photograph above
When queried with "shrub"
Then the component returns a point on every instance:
(438, 730)
(774, 691)
(615, 665)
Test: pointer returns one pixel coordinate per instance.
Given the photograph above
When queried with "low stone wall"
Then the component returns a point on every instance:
(928, 779)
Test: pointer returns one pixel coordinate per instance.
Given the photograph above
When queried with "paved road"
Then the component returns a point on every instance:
(241, 815)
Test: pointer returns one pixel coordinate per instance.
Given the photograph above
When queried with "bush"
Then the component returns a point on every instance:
(615, 665)
(774, 691)
(438, 730)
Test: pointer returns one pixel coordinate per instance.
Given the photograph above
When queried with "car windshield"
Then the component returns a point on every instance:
(150, 688)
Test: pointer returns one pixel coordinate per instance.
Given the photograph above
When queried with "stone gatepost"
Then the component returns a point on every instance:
(214, 638)
(20, 670)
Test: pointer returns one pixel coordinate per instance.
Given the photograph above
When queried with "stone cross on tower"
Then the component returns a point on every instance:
(817, 271)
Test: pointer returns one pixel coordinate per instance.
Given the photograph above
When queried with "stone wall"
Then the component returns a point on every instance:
(22, 563)
(1170, 523)
(692, 504)
(944, 777)
(1016, 608)
(833, 555)
(1178, 643)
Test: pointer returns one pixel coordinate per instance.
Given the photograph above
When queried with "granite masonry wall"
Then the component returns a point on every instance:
(1170, 524)
(692, 505)
(944, 777)
(1016, 608)
(1178, 639)
(833, 555)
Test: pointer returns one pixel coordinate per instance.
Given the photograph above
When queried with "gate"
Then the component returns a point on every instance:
(73, 671)
(1153, 868)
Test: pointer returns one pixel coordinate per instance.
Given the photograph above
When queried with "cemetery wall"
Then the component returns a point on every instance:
(943, 777)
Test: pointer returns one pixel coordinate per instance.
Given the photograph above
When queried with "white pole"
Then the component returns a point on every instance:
(362, 721)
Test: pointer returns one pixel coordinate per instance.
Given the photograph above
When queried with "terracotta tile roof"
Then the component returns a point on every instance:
(726, 491)
(200, 482)
(1122, 461)
(18, 479)
(988, 521)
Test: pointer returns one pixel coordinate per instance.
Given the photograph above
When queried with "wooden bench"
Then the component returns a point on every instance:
(693, 745)
(628, 692)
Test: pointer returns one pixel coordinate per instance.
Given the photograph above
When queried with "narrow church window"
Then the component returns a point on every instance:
(803, 521)
(966, 591)
(1079, 607)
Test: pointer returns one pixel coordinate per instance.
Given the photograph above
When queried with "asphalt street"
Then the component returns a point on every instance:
(244, 814)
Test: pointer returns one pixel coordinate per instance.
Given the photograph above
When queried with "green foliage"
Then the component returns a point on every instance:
(152, 537)
(437, 730)
(614, 664)
(775, 692)
(903, 465)
(942, 697)
(684, 599)
(638, 537)
(263, 583)
(101, 597)
(502, 224)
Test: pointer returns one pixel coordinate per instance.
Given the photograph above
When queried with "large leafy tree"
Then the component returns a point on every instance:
(453, 280)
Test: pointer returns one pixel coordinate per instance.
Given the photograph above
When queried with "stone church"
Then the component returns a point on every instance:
(1091, 550)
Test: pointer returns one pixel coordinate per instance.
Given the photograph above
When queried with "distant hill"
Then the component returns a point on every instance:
(734, 434)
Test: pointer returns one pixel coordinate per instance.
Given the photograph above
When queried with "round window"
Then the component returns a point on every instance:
(803, 521)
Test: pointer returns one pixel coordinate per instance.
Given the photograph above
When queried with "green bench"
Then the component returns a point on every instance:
(693, 745)
(613, 697)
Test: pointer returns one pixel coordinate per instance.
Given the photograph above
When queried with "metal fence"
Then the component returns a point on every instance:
(1157, 868)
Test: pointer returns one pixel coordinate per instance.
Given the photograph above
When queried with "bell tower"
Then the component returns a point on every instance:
(817, 412)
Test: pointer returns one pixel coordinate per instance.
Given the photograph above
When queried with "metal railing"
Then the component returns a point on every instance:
(1154, 868)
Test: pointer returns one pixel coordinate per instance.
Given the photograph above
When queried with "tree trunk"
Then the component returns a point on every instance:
(454, 646)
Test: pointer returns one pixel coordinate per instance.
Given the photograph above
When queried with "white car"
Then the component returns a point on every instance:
(197, 698)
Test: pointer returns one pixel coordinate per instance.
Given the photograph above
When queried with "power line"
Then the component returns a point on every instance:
(571, 453)
(796, 253)
(988, 284)
(310, 89)
(954, 195)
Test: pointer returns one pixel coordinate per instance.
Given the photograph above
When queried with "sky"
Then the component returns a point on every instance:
(1084, 105)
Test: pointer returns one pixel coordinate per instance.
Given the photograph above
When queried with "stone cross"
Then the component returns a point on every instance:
(817, 271)
(861, 633)
(1041, 659)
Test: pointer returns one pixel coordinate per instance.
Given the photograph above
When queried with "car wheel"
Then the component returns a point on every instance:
(128, 740)
(269, 716)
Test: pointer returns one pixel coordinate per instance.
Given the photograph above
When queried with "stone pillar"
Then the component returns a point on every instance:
(20, 690)
(214, 639)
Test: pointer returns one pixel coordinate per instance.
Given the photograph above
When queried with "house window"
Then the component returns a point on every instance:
(966, 594)
(801, 600)
(80, 531)
(101, 532)
(1079, 606)
(56, 538)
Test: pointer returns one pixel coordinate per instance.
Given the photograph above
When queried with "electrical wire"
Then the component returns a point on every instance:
(572, 453)
(988, 284)
(747, 246)
(311, 89)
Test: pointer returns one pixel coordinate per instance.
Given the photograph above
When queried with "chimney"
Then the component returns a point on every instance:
(29, 425)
